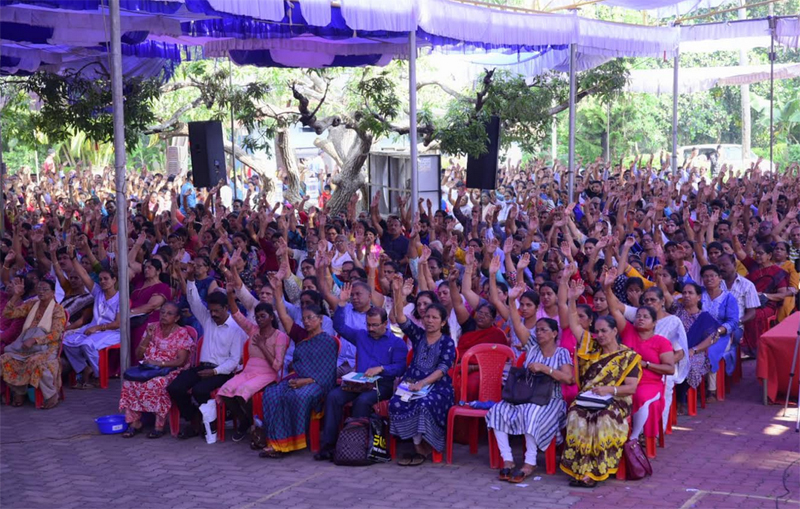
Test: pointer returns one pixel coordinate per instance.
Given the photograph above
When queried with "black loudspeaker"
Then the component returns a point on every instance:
(482, 171)
(208, 153)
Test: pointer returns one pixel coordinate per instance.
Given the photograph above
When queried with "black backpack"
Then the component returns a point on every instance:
(353, 445)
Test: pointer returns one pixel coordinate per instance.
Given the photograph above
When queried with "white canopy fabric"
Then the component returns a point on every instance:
(698, 79)
(727, 36)
(788, 32)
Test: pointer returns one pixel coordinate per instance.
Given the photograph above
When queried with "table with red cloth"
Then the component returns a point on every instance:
(774, 359)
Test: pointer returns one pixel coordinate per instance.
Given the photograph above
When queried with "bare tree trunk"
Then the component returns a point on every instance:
(285, 158)
(352, 176)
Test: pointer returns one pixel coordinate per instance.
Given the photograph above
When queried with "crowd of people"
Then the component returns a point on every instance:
(633, 292)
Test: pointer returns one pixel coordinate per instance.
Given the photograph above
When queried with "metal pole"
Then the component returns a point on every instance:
(572, 86)
(233, 137)
(412, 116)
(676, 64)
(772, 21)
(122, 196)
(2, 188)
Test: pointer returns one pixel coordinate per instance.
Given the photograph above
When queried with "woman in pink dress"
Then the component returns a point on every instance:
(657, 361)
(266, 350)
(148, 295)
(165, 344)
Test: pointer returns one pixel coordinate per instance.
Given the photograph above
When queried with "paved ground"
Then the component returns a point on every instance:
(732, 455)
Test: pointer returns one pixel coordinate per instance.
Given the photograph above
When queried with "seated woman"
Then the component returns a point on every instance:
(424, 420)
(288, 404)
(539, 424)
(82, 346)
(32, 359)
(165, 344)
(482, 331)
(595, 438)
(657, 360)
(148, 293)
(772, 285)
(702, 331)
(266, 351)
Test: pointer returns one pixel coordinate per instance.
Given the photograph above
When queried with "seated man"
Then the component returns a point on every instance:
(380, 353)
(220, 355)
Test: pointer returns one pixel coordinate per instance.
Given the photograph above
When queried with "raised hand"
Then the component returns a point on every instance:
(524, 261)
(576, 289)
(515, 293)
(19, 286)
(344, 295)
(408, 287)
(508, 245)
(494, 265)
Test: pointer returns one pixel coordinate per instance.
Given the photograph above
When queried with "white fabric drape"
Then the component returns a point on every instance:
(392, 15)
(659, 81)
(316, 12)
(494, 27)
(787, 32)
(728, 36)
(269, 10)
(620, 40)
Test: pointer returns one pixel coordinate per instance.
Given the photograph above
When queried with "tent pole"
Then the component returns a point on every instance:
(676, 69)
(771, 87)
(572, 86)
(233, 138)
(122, 199)
(412, 116)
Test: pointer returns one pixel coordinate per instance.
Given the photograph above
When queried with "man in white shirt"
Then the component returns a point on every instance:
(220, 355)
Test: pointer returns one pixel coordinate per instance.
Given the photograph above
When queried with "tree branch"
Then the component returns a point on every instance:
(175, 118)
(487, 81)
(446, 89)
(580, 95)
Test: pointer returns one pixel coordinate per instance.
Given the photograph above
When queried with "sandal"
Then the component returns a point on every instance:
(505, 474)
(131, 432)
(580, 483)
(270, 453)
(520, 475)
(50, 402)
(156, 433)
(18, 401)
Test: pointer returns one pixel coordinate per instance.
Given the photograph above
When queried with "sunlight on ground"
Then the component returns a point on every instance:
(775, 430)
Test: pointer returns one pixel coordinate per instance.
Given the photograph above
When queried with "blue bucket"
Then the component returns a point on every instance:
(111, 424)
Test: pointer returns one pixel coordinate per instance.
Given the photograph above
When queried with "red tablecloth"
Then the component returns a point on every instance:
(774, 359)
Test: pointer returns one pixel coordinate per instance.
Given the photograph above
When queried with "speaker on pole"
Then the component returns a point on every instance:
(208, 153)
(482, 171)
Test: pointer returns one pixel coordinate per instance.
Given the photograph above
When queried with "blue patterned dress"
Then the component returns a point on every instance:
(287, 411)
(428, 415)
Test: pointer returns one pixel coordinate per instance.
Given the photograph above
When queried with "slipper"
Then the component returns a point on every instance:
(579, 483)
(405, 460)
(156, 433)
(505, 474)
(50, 403)
(18, 401)
(131, 432)
(416, 460)
(520, 475)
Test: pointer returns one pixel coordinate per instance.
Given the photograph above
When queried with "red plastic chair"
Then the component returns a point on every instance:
(174, 413)
(673, 415)
(491, 361)
(104, 365)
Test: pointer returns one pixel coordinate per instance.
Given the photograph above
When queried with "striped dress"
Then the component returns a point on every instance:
(541, 422)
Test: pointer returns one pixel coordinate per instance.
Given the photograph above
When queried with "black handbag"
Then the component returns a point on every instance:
(144, 372)
(523, 387)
